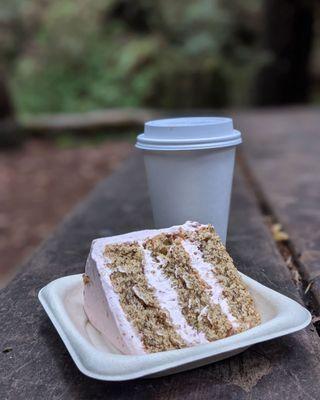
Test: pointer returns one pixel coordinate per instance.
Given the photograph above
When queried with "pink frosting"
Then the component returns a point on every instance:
(102, 305)
(206, 272)
(168, 300)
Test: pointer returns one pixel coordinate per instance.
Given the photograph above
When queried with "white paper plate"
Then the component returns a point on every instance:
(63, 301)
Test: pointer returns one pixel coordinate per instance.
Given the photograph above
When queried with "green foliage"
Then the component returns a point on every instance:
(79, 55)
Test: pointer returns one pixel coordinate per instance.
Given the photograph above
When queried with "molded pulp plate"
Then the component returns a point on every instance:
(62, 299)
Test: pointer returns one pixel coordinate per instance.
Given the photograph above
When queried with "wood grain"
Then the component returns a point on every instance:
(282, 149)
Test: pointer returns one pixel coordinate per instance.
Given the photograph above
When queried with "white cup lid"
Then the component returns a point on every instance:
(190, 133)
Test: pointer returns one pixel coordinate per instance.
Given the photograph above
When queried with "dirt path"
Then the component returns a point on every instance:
(39, 184)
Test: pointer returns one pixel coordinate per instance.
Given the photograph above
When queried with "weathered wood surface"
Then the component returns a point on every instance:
(282, 149)
(39, 367)
(90, 121)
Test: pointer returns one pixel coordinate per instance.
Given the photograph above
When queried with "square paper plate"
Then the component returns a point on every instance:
(63, 301)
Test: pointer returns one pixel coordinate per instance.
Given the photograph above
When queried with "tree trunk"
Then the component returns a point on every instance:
(288, 39)
(6, 107)
(10, 133)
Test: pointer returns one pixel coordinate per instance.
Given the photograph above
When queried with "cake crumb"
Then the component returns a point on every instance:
(86, 279)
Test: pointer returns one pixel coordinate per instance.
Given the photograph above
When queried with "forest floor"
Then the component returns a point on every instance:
(39, 183)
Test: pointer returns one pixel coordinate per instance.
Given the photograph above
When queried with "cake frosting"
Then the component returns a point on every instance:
(206, 271)
(157, 290)
(102, 305)
(168, 299)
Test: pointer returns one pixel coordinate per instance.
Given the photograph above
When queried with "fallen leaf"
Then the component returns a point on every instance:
(278, 234)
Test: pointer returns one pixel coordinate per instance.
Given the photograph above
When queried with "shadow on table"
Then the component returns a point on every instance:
(242, 373)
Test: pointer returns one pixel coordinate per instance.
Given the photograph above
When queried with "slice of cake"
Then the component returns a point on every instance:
(165, 289)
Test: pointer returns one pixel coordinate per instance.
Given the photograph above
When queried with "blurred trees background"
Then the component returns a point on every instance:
(80, 55)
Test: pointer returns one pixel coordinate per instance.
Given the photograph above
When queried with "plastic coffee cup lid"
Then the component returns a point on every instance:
(192, 133)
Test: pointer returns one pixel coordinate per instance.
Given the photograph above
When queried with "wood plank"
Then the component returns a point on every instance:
(117, 118)
(283, 152)
(39, 367)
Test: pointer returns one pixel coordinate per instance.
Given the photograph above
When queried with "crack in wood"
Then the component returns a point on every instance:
(285, 247)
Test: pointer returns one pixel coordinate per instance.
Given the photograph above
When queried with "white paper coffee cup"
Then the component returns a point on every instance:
(189, 165)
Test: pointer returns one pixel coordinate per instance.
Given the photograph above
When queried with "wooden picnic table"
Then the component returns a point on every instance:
(277, 180)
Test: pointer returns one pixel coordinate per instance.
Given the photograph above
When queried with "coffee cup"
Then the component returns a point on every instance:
(189, 166)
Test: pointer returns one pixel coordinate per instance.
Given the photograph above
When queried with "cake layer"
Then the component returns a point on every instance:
(168, 300)
(193, 293)
(138, 300)
(165, 289)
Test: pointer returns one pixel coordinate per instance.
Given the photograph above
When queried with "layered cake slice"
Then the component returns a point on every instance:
(166, 289)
